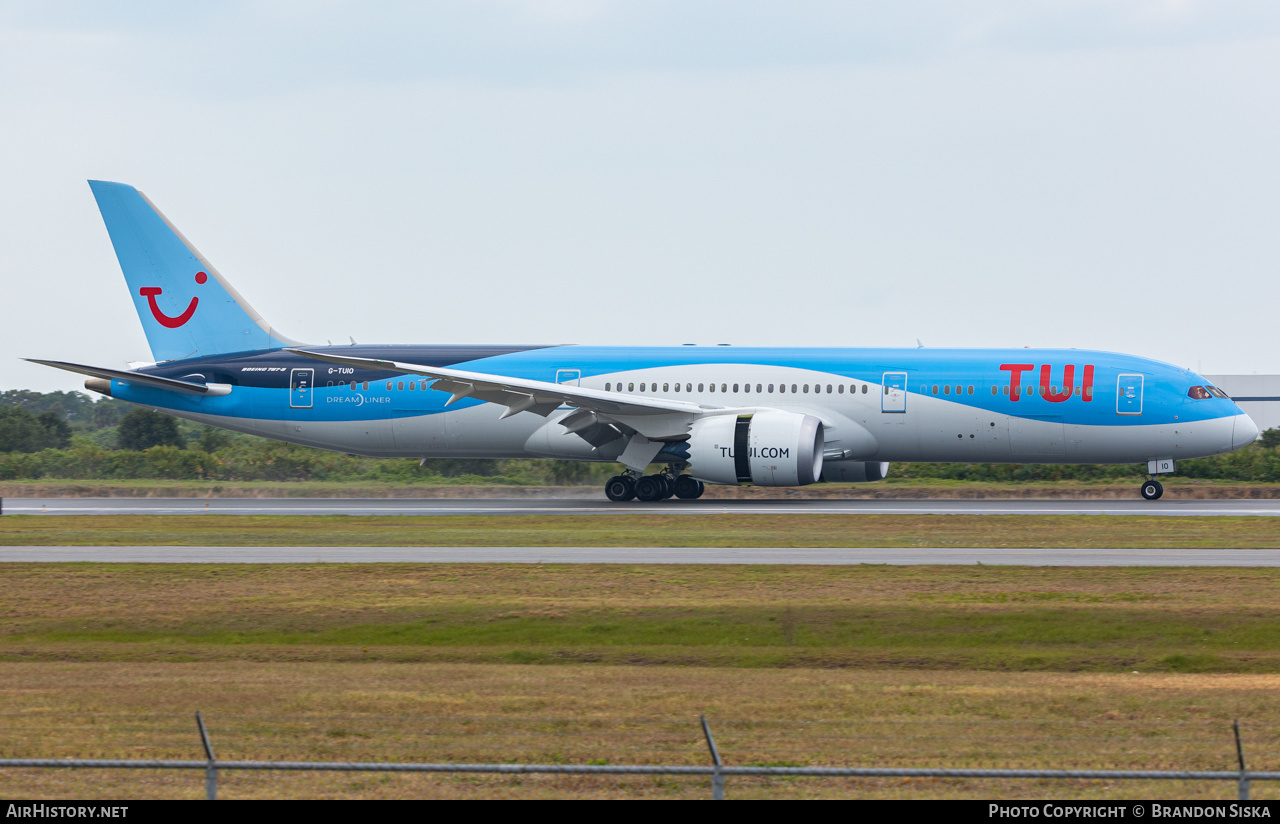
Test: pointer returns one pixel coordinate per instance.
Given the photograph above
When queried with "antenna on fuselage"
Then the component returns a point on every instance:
(919, 345)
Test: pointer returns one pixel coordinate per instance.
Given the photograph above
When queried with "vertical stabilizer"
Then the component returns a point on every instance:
(187, 309)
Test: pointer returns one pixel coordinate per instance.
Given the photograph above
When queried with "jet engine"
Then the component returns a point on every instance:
(854, 472)
(767, 448)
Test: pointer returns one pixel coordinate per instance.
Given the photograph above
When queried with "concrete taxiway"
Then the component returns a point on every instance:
(644, 555)
(553, 506)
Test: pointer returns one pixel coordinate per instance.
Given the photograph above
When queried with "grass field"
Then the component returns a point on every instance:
(1105, 620)
(856, 665)
(726, 528)
(626, 714)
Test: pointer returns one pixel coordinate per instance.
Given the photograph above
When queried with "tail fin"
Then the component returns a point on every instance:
(187, 309)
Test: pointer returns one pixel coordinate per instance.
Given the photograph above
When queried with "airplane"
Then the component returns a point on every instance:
(767, 416)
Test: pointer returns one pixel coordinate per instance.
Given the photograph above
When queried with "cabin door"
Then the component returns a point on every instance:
(893, 392)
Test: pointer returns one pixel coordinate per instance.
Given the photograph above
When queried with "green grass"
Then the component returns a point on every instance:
(984, 618)
(724, 528)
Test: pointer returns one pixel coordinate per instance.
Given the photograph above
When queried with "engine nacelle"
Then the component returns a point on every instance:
(854, 472)
(767, 448)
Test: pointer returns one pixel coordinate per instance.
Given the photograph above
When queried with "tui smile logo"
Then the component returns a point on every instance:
(150, 292)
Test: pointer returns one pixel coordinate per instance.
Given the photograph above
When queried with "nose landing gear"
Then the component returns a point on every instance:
(1152, 489)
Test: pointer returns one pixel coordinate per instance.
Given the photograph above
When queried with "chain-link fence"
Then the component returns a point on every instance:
(248, 755)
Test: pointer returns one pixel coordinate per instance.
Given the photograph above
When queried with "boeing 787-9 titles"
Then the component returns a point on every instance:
(704, 414)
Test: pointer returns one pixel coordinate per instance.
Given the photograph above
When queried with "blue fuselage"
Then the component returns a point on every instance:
(989, 405)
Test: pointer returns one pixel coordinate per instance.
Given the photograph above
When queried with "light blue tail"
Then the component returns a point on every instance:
(187, 309)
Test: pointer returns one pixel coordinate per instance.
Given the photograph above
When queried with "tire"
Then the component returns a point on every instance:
(668, 487)
(650, 488)
(620, 488)
(1152, 490)
(688, 488)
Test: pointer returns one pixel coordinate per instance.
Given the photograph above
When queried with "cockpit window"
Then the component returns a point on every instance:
(1218, 393)
(1199, 393)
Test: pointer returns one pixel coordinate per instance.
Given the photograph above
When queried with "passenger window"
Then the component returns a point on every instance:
(971, 389)
(793, 388)
(366, 384)
(864, 389)
(746, 387)
(995, 390)
(757, 387)
(1006, 390)
(735, 387)
(828, 389)
(389, 385)
(935, 389)
(700, 389)
(413, 385)
(642, 387)
(770, 389)
(724, 387)
(677, 387)
(666, 387)
(841, 389)
(959, 390)
(1199, 393)
(608, 387)
(631, 387)
(946, 390)
(782, 388)
(806, 389)
(712, 387)
(688, 387)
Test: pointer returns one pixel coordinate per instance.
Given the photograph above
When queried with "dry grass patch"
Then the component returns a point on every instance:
(573, 714)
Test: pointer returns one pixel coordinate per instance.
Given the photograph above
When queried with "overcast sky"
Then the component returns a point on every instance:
(1006, 173)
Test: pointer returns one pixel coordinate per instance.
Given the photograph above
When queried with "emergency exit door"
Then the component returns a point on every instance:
(300, 383)
(893, 392)
(1129, 395)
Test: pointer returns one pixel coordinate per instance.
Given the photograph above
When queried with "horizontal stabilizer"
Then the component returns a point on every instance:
(154, 381)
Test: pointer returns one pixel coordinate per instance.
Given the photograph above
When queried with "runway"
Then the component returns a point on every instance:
(842, 556)
(567, 506)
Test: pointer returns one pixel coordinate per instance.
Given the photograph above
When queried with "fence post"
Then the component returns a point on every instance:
(717, 778)
(1243, 784)
(211, 771)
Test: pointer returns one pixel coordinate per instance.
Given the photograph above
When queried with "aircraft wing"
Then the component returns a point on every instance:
(521, 394)
(155, 381)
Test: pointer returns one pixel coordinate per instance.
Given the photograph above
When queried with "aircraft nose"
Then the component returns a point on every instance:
(1246, 432)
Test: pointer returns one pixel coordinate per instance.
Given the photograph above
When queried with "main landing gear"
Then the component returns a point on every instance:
(1152, 489)
(657, 487)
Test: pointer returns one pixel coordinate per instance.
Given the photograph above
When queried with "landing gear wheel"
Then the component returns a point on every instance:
(689, 488)
(668, 486)
(1152, 490)
(651, 488)
(620, 488)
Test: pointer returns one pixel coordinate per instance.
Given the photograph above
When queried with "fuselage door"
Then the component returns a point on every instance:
(572, 377)
(300, 383)
(1129, 395)
(893, 392)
